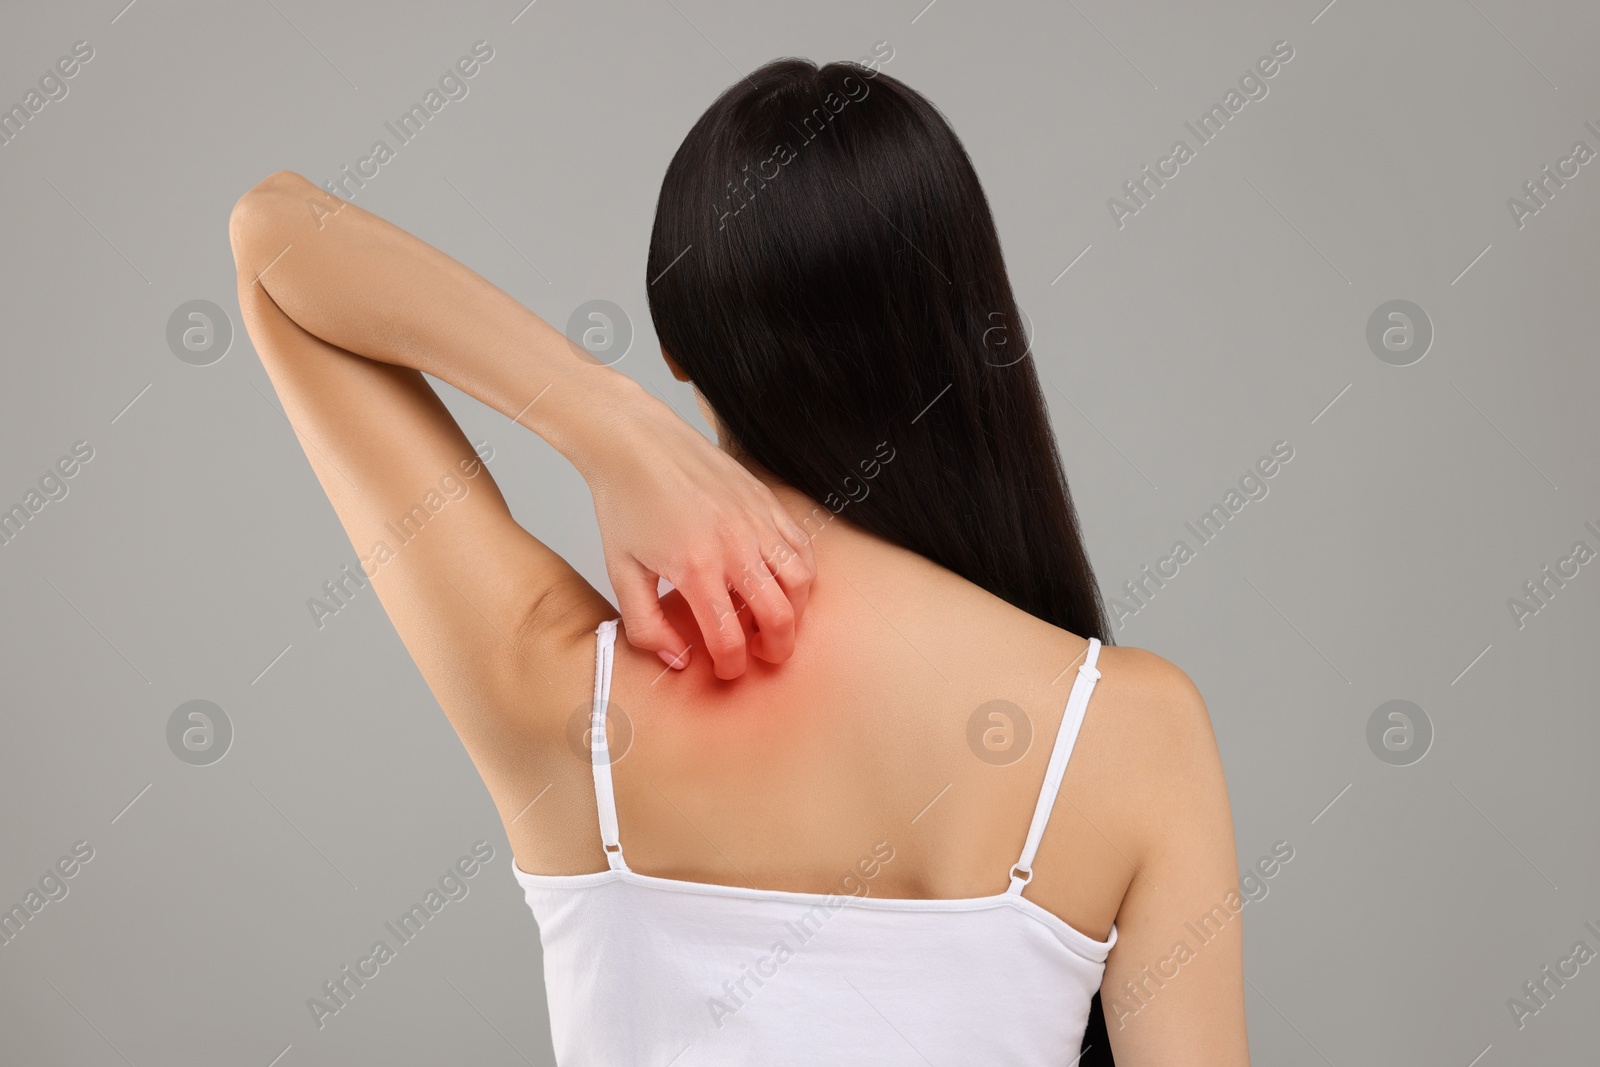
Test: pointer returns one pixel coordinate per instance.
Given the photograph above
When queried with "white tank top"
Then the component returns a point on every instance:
(643, 971)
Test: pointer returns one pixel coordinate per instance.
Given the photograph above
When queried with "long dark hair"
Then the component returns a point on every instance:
(825, 268)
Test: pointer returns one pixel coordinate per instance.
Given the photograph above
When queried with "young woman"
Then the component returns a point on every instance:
(866, 786)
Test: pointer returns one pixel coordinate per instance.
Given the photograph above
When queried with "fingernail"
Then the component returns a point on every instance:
(675, 662)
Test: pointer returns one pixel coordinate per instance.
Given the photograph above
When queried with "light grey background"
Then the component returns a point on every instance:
(1226, 315)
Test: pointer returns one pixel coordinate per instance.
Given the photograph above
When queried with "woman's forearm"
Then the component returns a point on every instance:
(365, 285)
(670, 504)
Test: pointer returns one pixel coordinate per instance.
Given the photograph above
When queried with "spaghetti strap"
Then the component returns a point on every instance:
(1066, 737)
(599, 748)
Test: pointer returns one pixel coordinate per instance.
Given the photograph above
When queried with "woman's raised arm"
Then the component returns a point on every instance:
(346, 311)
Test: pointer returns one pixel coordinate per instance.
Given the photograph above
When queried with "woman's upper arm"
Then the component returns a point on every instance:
(493, 618)
(1174, 983)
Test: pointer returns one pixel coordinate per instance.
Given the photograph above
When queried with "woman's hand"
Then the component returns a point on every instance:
(672, 505)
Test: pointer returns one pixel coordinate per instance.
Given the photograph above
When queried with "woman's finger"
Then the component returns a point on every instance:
(796, 568)
(771, 608)
(719, 622)
(798, 539)
(778, 610)
(643, 621)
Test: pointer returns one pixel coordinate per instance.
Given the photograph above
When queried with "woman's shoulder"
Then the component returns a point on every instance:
(1156, 694)
(1146, 717)
(1152, 697)
(1148, 748)
(1146, 745)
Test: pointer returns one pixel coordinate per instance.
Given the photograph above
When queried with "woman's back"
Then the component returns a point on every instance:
(917, 709)
(900, 755)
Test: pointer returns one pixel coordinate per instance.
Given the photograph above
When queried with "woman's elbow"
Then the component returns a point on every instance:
(256, 214)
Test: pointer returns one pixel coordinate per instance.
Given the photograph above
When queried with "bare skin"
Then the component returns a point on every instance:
(778, 754)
